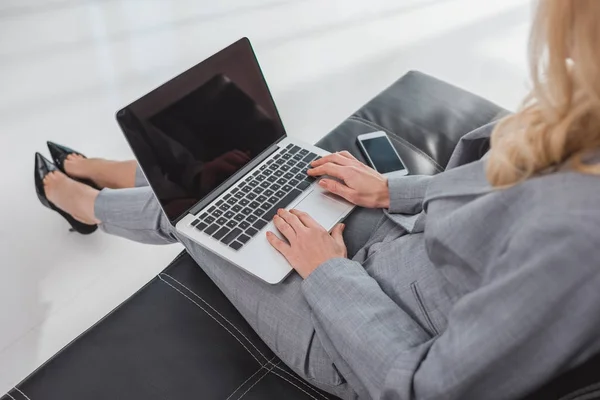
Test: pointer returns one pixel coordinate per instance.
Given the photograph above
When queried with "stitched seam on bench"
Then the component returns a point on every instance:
(292, 383)
(210, 315)
(301, 381)
(582, 391)
(245, 337)
(251, 376)
(19, 390)
(259, 379)
(400, 139)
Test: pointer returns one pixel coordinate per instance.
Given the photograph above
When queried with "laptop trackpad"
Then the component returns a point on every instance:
(323, 208)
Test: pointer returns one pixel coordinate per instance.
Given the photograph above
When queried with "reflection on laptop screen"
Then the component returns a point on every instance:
(200, 128)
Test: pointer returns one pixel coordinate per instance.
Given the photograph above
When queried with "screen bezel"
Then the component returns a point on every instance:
(374, 135)
(216, 192)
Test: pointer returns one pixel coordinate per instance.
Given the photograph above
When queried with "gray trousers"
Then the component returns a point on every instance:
(278, 313)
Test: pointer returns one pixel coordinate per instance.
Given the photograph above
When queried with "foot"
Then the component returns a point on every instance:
(83, 168)
(71, 196)
(104, 173)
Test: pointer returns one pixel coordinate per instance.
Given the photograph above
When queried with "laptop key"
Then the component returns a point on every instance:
(295, 170)
(254, 183)
(265, 184)
(220, 233)
(237, 208)
(229, 214)
(265, 206)
(246, 189)
(289, 146)
(288, 176)
(195, 222)
(271, 179)
(300, 176)
(224, 207)
(286, 188)
(239, 217)
(261, 199)
(254, 204)
(297, 157)
(268, 192)
(294, 182)
(258, 190)
(251, 218)
(211, 229)
(244, 202)
(275, 186)
(303, 185)
(285, 168)
(239, 195)
(281, 181)
(231, 235)
(278, 173)
(309, 157)
(243, 238)
(247, 211)
(251, 196)
(227, 196)
(260, 178)
(236, 245)
(212, 209)
(291, 163)
(232, 224)
(232, 201)
(291, 196)
(269, 161)
(280, 193)
(259, 212)
(217, 213)
(202, 226)
(234, 190)
(263, 167)
(221, 221)
(286, 156)
(244, 225)
(251, 232)
(219, 202)
(303, 152)
(274, 199)
(209, 219)
(258, 225)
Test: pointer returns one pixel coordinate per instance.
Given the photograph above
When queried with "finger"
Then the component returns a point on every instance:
(337, 233)
(306, 219)
(338, 188)
(291, 219)
(335, 158)
(330, 169)
(278, 244)
(347, 154)
(286, 229)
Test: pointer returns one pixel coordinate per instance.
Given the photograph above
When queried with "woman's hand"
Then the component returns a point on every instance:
(361, 185)
(310, 245)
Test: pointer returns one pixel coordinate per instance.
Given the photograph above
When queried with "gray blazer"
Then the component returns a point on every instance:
(508, 291)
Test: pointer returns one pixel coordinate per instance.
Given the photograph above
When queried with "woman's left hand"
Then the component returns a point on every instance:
(310, 245)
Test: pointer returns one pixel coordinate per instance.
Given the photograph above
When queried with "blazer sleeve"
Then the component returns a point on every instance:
(536, 315)
(407, 193)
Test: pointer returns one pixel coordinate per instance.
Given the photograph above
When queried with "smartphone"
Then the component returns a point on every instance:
(380, 153)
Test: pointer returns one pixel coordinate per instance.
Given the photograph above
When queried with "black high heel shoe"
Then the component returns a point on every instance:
(42, 168)
(59, 154)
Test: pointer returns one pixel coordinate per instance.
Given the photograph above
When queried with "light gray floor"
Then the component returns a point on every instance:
(68, 65)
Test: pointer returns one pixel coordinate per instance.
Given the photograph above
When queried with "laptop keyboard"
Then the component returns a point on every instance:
(248, 207)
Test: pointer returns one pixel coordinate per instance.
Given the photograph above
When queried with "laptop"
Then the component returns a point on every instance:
(213, 148)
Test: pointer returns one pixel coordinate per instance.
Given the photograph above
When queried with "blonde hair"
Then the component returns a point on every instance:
(559, 121)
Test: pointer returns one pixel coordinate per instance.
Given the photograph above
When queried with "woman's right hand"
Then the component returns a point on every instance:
(360, 185)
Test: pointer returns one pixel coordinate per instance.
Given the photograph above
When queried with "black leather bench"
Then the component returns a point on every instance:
(180, 338)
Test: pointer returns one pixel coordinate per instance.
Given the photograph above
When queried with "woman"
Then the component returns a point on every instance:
(478, 283)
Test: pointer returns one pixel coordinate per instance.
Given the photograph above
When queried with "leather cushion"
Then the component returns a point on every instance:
(177, 338)
(423, 116)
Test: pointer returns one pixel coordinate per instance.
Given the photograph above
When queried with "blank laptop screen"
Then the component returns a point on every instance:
(197, 130)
